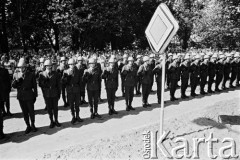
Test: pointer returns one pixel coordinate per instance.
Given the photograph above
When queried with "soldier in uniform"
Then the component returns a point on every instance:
(234, 71)
(92, 76)
(152, 66)
(26, 85)
(138, 81)
(203, 74)
(145, 73)
(110, 74)
(61, 68)
(49, 81)
(129, 74)
(194, 75)
(122, 64)
(184, 69)
(168, 62)
(226, 71)
(211, 72)
(157, 71)
(81, 67)
(71, 78)
(238, 70)
(174, 78)
(5, 85)
(219, 72)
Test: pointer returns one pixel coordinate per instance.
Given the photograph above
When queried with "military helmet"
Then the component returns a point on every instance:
(71, 61)
(48, 62)
(130, 59)
(91, 61)
(111, 60)
(145, 58)
(170, 54)
(139, 56)
(125, 56)
(175, 57)
(42, 60)
(80, 58)
(152, 55)
(21, 63)
(62, 59)
(206, 57)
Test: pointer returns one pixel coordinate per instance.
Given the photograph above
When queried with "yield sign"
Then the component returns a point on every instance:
(161, 28)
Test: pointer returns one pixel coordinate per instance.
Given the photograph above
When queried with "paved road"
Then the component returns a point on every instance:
(17, 145)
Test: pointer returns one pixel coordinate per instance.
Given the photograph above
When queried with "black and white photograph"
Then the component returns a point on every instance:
(119, 79)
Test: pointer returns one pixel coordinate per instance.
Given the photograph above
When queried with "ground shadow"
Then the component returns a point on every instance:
(232, 120)
(203, 121)
(19, 137)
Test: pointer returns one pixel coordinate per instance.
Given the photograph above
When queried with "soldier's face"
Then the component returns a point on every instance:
(71, 66)
(80, 62)
(111, 65)
(22, 69)
(91, 65)
(63, 62)
(49, 68)
(130, 63)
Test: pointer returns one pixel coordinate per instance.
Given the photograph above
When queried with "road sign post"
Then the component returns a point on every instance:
(160, 30)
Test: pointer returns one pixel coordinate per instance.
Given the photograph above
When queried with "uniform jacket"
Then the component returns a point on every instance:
(110, 75)
(72, 80)
(92, 78)
(211, 69)
(50, 84)
(173, 70)
(158, 72)
(5, 84)
(145, 73)
(81, 69)
(194, 70)
(184, 69)
(130, 75)
(26, 85)
(203, 70)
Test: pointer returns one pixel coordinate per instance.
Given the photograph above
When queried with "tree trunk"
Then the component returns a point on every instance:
(4, 40)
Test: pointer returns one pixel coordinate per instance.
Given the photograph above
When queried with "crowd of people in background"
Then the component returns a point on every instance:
(70, 76)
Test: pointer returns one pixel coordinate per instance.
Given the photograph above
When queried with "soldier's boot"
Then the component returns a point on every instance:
(113, 110)
(110, 110)
(130, 106)
(56, 119)
(28, 129)
(78, 117)
(52, 124)
(92, 115)
(33, 127)
(73, 121)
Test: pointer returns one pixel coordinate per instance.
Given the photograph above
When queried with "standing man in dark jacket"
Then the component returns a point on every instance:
(219, 72)
(81, 67)
(174, 78)
(211, 72)
(110, 74)
(61, 68)
(146, 74)
(194, 75)
(226, 71)
(72, 80)
(5, 85)
(92, 76)
(49, 81)
(184, 69)
(203, 74)
(129, 74)
(26, 85)
(158, 74)
(234, 70)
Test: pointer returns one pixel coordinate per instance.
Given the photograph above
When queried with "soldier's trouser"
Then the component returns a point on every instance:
(82, 95)
(233, 78)
(52, 108)
(152, 80)
(173, 87)
(168, 79)
(28, 111)
(184, 86)
(111, 96)
(74, 102)
(159, 90)
(138, 85)
(146, 88)
(64, 94)
(210, 82)
(122, 85)
(219, 78)
(129, 92)
(99, 91)
(93, 100)
(225, 79)
(1, 118)
(203, 83)
(193, 83)
(238, 78)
